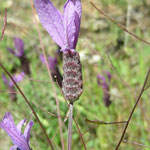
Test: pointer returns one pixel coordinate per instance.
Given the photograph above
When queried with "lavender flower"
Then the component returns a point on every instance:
(20, 141)
(104, 83)
(54, 69)
(10, 84)
(19, 47)
(19, 52)
(64, 30)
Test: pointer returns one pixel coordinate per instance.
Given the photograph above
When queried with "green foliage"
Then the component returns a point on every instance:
(99, 50)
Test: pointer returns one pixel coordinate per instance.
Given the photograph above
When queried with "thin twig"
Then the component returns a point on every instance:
(135, 143)
(45, 110)
(80, 133)
(147, 87)
(13, 92)
(97, 122)
(49, 72)
(104, 123)
(131, 114)
(27, 101)
(5, 22)
(69, 144)
(35, 80)
(90, 129)
(118, 24)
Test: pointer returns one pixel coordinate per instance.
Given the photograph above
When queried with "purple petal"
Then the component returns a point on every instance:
(109, 76)
(20, 124)
(78, 7)
(5, 79)
(42, 59)
(69, 24)
(12, 51)
(61, 15)
(13, 147)
(77, 24)
(51, 20)
(19, 46)
(27, 131)
(7, 121)
(17, 78)
(52, 63)
(76, 21)
(18, 139)
(100, 79)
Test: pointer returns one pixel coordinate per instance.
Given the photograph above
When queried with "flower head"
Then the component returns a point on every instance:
(17, 79)
(19, 52)
(53, 66)
(19, 47)
(63, 28)
(52, 62)
(10, 84)
(20, 141)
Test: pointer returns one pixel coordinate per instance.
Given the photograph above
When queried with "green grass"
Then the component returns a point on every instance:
(97, 39)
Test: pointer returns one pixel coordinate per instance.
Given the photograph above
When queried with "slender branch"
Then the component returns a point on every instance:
(104, 123)
(131, 114)
(45, 110)
(135, 143)
(28, 105)
(90, 129)
(97, 122)
(70, 127)
(118, 24)
(147, 87)
(49, 72)
(9, 92)
(80, 133)
(4, 26)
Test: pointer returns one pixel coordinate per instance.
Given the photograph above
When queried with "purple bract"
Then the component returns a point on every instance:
(19, 47)
(53, 66)
(52, 62)
(20, 141)
(63, 28)
(17, 79)
(104, 83)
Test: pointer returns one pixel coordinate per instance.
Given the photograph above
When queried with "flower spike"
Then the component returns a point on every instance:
(53, 66)
(104, 83)
(19, 52)
(16, 77)
(19, 47)
(10, 84)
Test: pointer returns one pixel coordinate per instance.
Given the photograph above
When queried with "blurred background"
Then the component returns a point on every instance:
(104, 49)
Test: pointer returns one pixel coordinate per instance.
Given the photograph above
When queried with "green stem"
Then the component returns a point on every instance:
(70, 126)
